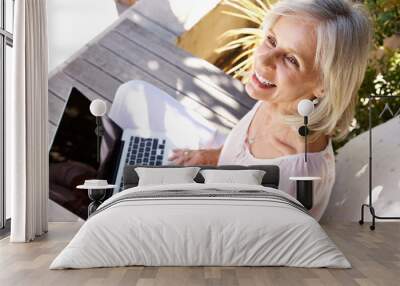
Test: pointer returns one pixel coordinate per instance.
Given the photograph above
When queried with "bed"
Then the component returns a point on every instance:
(199, 224)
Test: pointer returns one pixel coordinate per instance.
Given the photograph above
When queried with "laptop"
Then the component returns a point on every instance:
(142, 147)
(73, 154)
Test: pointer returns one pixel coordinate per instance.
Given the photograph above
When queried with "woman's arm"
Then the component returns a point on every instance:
(187, 157)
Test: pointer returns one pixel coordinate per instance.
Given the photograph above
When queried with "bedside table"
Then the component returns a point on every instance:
(96, 195)
(304, 190)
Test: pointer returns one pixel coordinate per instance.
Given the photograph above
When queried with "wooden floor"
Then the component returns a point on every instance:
(375, 257)
(136, 47)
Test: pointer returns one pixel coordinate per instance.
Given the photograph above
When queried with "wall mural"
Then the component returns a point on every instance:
(160, 97)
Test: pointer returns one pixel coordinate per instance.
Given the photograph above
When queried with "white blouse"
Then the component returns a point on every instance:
(320, 164)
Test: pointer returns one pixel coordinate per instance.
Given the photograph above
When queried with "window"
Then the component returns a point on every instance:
(6, 43)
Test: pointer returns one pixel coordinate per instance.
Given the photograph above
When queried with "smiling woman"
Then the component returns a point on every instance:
(314, 50)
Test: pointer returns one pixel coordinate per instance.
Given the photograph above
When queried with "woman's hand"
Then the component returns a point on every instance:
(187, 157)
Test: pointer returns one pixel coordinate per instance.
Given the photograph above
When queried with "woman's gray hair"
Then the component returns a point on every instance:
(344, 34)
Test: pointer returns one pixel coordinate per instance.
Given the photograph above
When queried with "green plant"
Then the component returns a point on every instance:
(239, 51)
(382, 77)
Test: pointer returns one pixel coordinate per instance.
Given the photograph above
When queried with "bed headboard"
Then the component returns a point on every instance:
(270, 179)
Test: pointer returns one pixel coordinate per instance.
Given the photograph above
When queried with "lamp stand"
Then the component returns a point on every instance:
(369, 205)
(99, 133)
(303, 131)
(305, 137)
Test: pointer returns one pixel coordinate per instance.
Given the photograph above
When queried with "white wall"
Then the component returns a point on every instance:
(73, 23)
(178, 16)
(352, 175)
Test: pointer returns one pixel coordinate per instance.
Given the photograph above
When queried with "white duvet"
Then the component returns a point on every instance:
(200, 231)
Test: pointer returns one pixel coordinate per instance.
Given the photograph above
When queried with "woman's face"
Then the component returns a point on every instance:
(283, 71)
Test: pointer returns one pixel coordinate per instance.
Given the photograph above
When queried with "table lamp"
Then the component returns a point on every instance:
(305, 108)
(304, 185)
(98, 108)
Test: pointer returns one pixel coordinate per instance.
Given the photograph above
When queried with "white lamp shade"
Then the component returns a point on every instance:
(98, 107)
(305, 107)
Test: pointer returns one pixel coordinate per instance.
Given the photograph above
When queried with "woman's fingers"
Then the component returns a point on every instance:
(180, 156)
(187, 157)
(176, 153)
(191, 161)
(178, 161)
(195, 158)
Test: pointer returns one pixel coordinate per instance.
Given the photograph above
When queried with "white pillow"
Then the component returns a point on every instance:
(248, 177)
(163, 176)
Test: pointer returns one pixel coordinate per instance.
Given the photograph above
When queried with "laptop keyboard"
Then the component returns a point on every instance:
(144, 151)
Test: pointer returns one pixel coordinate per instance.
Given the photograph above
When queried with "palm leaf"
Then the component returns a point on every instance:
(237, 15)
(264, 6)
(249, 5)
(243, 41)
(245, 54)
(242, 8)
(241, 31)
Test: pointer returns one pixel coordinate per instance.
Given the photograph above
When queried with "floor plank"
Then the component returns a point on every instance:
(375, 257)
(123, 71)
(184, 61)
(167, 73)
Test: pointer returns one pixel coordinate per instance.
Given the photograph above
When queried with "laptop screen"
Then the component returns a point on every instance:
(73, 154)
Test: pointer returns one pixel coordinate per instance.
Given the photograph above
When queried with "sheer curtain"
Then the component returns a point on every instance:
(27, 123)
